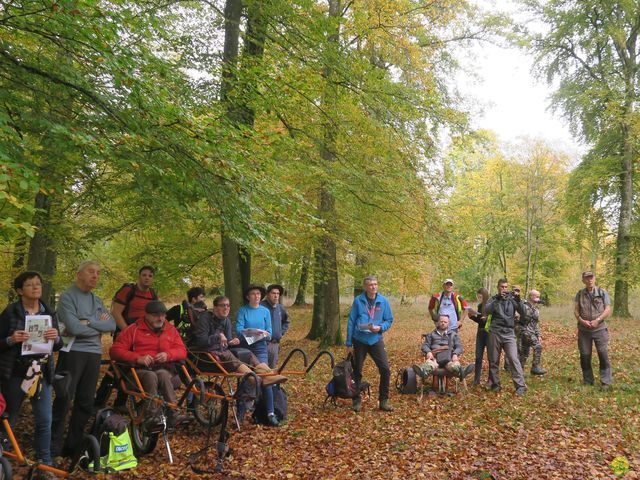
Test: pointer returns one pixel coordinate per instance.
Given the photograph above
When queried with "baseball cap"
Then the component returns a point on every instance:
(588, 273)
(448, 280)
(155, 306)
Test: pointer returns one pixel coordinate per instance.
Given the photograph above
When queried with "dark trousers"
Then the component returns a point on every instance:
(84, 369)
(379, 356)
(504, 340)
(481, 345)
(586, 340)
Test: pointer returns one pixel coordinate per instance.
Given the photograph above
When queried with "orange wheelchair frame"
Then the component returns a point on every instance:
(89, 454)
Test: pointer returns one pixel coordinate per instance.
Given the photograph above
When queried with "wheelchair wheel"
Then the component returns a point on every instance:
(207, 413)
(143, 441)
(88, 457)
(6, 472)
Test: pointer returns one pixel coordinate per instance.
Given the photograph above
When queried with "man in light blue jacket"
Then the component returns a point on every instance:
(370, 317)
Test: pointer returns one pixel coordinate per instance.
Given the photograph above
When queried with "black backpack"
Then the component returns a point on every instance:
(107, 421)
(342, 385)
(133, 288)
(406, 381)
(280, 403)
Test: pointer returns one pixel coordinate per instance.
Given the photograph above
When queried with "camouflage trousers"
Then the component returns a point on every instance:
(528, 340)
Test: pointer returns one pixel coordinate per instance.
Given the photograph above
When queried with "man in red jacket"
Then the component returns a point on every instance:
(152, 345)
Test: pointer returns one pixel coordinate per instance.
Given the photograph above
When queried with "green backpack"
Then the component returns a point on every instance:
(120, 456)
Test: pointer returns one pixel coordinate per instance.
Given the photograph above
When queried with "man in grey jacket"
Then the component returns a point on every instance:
(86, 318)
(443, 349)
(501, 320)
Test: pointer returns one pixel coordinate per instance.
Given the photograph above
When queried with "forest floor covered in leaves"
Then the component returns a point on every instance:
(559, 430)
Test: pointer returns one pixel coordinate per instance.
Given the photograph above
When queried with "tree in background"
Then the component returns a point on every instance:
(591, 47)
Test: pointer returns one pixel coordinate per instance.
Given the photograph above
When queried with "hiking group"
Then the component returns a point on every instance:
(154, 340)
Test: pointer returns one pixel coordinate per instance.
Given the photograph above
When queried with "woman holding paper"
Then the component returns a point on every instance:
(253, 325)
(26, 363)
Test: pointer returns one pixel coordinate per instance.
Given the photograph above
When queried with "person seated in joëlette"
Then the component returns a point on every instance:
(153, 346)
(213, 334)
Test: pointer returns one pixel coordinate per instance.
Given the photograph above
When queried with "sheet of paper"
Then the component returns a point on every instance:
(35, 325)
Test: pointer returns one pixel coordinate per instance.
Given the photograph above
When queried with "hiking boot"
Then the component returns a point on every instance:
(152, 423)
(385, 407)
(356, 404)
(419, 371)
(273, 420)
(495, 387)
(520, 391)
(466, 371)
(537, 370)
(174, 419)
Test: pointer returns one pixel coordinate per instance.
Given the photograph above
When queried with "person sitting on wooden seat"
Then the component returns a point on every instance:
(442, 348)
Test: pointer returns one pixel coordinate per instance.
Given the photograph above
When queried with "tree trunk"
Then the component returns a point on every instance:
(17, 266)
(302, 284)
(360, 272)
(232, 276)
(623, 243)
(331, 334)
(42, 255)
(326, 268)
(317, 318)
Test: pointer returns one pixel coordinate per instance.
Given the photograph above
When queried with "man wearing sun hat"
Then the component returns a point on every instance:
(592, 306)
(448, 303)
(279, 320)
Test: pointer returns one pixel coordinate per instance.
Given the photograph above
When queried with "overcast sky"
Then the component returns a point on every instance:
(509, 100)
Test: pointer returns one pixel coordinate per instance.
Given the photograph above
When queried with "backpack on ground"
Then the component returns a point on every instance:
(116, 450)
(280, 404)
(406, 381)
(342, 385)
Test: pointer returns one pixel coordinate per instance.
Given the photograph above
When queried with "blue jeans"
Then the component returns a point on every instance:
(41, 406)
(481, 346)
(260, 349)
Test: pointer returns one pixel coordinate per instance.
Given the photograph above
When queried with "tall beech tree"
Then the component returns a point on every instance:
(591, 48)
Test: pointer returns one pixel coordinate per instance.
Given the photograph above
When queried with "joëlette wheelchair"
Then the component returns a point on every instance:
(86, 456)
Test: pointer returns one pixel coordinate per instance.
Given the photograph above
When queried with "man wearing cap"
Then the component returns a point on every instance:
(448, 303)
(279, 321)
(85, 318)
(152, 345)
(592, 307)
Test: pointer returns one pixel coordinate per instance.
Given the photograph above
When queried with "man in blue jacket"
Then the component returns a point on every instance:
(370, 317)
(279, 321)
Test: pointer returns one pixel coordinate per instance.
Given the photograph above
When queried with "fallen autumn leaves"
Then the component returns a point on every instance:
(559, 430)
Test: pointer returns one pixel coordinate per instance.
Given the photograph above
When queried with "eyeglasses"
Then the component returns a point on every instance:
(223, 305)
